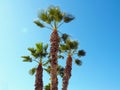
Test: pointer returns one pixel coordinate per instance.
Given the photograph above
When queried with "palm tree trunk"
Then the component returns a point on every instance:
(54, 40)
(67, 73)
(39, 75)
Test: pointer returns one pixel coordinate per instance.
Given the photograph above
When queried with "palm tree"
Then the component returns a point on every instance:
(70, 47)
(53, 17)
(37, 55)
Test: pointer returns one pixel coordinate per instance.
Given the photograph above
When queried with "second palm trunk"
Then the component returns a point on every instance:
(39, 81)
(54, 40)
(67, 73)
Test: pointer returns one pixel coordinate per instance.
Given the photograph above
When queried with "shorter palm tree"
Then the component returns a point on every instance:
(37, 55)
(70, 47)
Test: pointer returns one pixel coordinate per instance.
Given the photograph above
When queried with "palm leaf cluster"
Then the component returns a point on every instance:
(53, 17)
(37, 54)
(71, 47)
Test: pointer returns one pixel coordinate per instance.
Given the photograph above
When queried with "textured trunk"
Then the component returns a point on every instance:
(54, 40)
(39, 81)
(67, 73)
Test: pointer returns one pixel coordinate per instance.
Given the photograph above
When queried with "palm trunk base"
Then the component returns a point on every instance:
(39, 81)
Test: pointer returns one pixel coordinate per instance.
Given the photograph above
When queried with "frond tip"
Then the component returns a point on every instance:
(68, 18)
(26, 58)
(65, 37)
(81, 53)
(38, 23)
(32, 71)
(78, 62)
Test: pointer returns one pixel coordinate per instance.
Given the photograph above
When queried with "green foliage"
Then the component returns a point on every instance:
(78, 62)
(47, 87)
(60, 70)
(68, 18)
(39, 47)
(32, 50)
(55, 13)
(72, 44)
(65, 37)
(81, 53)
(26, 58)
(53, 16)
(32, 71)
(45, 47)
(69, 45)
(38, 23)
(47, 69)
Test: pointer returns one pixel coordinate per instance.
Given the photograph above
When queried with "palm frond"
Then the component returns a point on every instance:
(60, 70)
(39, 47)
(47, 69)
(47, 87)
(32, 50)
(32, 71)
(26, 58)
(68, 18)
(65, 37)
(63, 47)
(45, 47)
(78, 62)
(38, 23)
(81, 53)
(75, 44)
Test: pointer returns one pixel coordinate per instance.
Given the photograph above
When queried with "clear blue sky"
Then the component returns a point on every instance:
(97, 27)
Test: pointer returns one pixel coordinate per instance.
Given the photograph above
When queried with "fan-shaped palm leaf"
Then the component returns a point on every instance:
(38, 23)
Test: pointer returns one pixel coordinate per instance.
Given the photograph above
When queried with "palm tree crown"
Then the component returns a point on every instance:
(53, 17)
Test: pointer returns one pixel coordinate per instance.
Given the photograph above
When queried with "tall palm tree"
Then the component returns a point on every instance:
(53, 17)
(37, 55)
(70, 47)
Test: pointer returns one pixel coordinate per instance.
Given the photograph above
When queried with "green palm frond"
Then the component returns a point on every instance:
(75, 44)
(32, 50)
(78, 62)
(44, 16)
(71, 44)
(32, 71)
(26, 58)
(65, 37)
(60, 70)
(39, 47)
(45, 47)
(38, 23)
(68, 18)
(55, 13)
(53, 16)
(47, 87)
(63, 47)
(81, 53)
(47, 69)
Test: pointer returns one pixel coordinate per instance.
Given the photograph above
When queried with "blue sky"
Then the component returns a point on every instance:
(97, 27)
